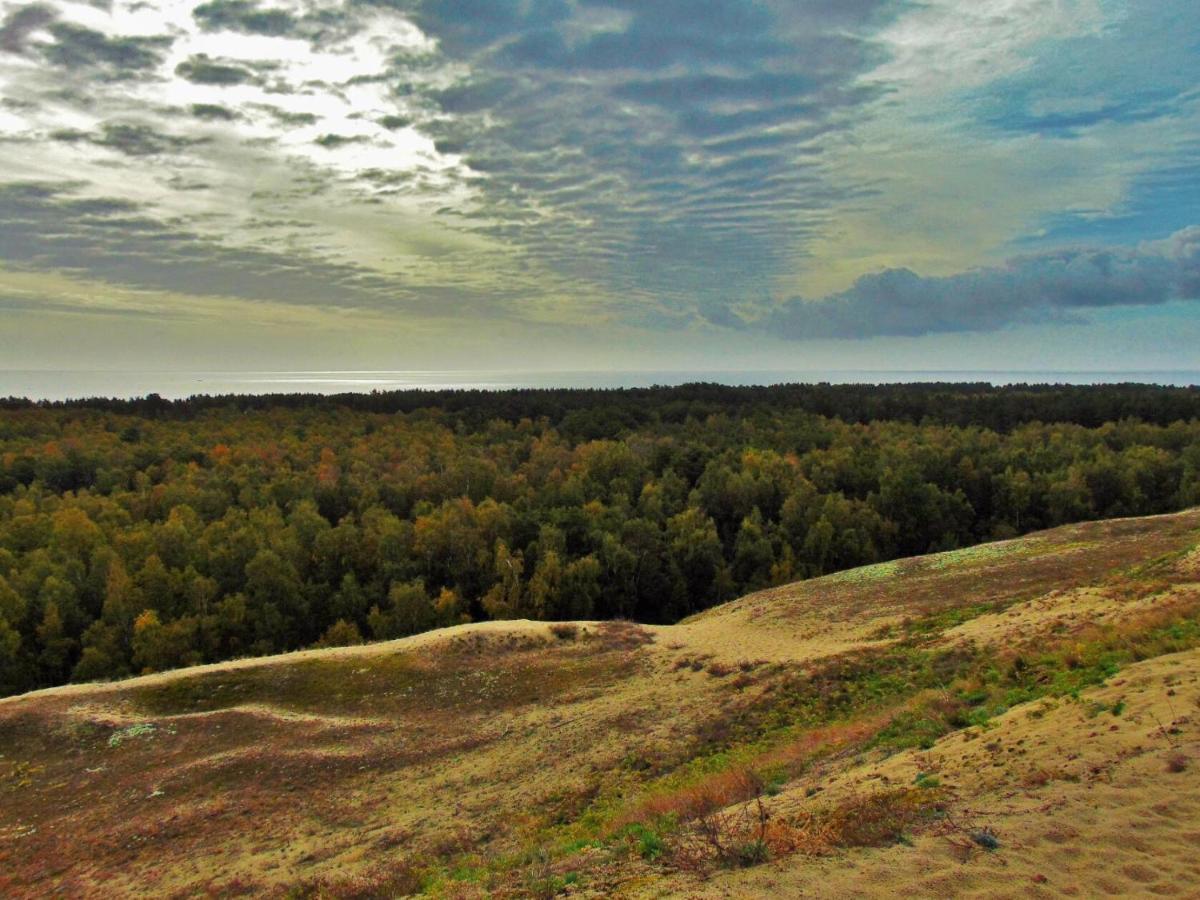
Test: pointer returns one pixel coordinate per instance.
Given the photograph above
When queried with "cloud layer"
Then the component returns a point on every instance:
(1053, 286)
(666, 166)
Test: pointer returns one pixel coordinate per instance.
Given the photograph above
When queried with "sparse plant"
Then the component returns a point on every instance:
(727, 838)
(1177, 762)
(645, 841)
(142, 729)
(985, 838)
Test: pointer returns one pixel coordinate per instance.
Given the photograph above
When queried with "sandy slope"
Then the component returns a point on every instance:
(474, 745)
(418, 642)
(1081, 803)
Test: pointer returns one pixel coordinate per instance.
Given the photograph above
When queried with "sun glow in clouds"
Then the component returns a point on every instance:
(193, 116)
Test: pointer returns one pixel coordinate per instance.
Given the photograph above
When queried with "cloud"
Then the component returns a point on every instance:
(76, 47)
(202, 70)
(333, 141)
(654, 164)
(660, 137)
(214, 112)
(49, 227)
(1052, 286)
(22, 22)
(140, 140)
(240, 15)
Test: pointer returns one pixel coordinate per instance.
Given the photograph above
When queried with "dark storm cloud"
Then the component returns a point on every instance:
(1055, 286)
(140, 140)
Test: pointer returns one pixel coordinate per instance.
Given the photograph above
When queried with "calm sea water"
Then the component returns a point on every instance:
(59, 385)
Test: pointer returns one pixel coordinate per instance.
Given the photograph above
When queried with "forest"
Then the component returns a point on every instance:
(141, 535)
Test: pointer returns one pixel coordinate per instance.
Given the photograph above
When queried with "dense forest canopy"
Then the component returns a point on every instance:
(146, 534)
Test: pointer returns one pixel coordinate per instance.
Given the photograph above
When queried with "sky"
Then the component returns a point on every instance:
(600, 184)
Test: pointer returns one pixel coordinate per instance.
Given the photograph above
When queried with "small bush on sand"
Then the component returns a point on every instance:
(645, 841)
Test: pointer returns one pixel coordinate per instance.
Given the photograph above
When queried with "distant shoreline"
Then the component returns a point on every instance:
(52, 386)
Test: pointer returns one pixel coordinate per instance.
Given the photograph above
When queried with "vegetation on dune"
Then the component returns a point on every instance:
(707, 810)
(143, 535)
(608, 758)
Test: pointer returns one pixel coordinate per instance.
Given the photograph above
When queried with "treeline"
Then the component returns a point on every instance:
(596, 413)
(144, 535)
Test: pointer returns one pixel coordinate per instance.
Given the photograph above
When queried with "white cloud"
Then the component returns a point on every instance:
(949, 45)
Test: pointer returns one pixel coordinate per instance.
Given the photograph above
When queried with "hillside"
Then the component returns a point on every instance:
(1016, 718)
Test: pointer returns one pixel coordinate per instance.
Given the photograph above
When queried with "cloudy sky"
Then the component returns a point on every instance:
(524, 184)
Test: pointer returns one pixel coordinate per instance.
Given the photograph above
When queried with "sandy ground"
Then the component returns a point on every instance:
(261, 773)
(1082, 803)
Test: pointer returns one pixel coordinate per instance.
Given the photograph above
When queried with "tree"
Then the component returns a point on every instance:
(504, 599)
(1068, 498)
(408, 611)
(276, 598)
(122, 598)
(350, 601)
(158, 646)
(12, 604)
(544, 596)
(580, 589)
(156, 584)
(340, 634)
(104, 655)
(56, 646)
(148, 643)
(753, 554)
(10, 659)
(818, 543)
(74, 534)
(1012, 497)
(697, 556)
(449, 608)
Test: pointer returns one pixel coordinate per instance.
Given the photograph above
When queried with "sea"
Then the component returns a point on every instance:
(64, 385)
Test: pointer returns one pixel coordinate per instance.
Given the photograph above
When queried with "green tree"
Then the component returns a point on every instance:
(57, 647)
(697, 555)
(340, 634)
(505, 598)
(753, 554)
(104, 655)
(408, 611)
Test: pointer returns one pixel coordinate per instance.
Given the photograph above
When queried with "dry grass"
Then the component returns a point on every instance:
(749, 833)
(511, 759)
(712, 792)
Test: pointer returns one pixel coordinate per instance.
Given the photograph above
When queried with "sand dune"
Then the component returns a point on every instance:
(1039, 696)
